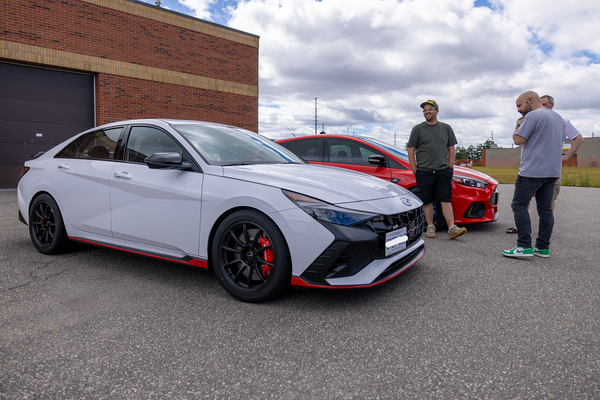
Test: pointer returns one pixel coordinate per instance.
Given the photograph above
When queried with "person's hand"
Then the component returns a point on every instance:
(518, 123)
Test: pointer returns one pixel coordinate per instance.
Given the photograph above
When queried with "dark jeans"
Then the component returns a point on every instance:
(543, 190)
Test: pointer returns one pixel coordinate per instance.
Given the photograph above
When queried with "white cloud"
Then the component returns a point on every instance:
(371, 63)
(200, 8)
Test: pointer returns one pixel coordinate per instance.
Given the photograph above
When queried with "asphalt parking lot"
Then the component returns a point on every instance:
(464, 322)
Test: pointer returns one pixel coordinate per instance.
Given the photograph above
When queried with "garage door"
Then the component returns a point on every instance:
(39, 108)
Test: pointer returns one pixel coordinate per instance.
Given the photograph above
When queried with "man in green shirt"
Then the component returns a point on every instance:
(433, 143)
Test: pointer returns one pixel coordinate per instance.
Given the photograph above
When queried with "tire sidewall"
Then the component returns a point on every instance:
(61, 239)
(280, 279)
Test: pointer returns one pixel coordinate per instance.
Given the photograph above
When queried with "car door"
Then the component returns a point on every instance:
(310, 150)
(354, 155)
(82, 181)
(156, 207)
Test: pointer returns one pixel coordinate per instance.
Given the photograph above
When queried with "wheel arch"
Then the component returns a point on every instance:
(227, 213)
(32, 200)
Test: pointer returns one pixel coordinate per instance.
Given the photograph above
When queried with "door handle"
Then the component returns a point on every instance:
(63, 166)
(123, 175)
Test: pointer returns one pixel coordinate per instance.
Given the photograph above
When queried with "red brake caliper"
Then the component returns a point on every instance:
(267, 255)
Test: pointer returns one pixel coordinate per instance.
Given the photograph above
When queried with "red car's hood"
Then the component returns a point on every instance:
(471, 173)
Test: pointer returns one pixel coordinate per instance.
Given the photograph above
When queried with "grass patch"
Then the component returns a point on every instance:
(571, 176)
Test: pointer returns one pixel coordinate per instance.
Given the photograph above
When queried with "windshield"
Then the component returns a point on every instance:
(393, 150)
(228, 145)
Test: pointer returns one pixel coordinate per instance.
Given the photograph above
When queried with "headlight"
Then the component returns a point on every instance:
(328, 212)
(463, 180)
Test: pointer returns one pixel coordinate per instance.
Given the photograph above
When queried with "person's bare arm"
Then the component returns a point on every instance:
(574, 146)
(519, 140)
(411, 159)
(451, 156)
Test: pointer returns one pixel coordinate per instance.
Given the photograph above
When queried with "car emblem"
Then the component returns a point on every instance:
(405, 201)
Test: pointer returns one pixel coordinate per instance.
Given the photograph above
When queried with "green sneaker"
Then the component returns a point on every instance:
(541, 252)
(519, 252)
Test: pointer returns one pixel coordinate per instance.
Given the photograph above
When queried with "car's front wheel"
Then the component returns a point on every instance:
(46, 226)
(250, 257)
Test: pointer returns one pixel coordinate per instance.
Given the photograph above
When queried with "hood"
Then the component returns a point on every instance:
(330, 184)
(471, 173)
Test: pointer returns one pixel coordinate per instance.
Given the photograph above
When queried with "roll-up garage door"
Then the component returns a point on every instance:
(39, 108)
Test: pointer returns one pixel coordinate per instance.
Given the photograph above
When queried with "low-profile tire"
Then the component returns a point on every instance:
(46, 226)
(250, 257)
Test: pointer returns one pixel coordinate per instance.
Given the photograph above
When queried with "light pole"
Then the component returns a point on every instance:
(348, 128)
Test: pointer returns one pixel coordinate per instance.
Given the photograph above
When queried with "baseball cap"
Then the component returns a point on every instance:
(432, 102)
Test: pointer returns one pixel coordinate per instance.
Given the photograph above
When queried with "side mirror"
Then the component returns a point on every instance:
(377, 159)
(164, 161)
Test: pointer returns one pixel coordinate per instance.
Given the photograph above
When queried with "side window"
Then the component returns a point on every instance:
(343, 151)
(395, 165)
(144, 141)
(99, 145)
(307, 149)
(340, 151)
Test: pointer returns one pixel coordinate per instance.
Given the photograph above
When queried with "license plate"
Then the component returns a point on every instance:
(395, 241)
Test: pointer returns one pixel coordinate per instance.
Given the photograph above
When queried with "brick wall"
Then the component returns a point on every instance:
(120, 98)
(149, 62)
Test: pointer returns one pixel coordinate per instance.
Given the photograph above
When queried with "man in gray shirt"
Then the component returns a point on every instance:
(541, 133)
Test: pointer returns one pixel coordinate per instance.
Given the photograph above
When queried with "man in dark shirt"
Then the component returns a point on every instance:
(433, 143)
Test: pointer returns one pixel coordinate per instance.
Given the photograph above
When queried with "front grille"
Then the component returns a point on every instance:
(359, 245)
(413, 221)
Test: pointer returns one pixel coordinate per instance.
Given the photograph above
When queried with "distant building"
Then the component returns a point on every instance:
(588, 155)
(66, 66)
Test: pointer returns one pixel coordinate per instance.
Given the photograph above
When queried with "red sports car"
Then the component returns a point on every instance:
(474, 194)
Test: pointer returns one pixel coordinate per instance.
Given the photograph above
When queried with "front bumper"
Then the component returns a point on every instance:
(357, 255)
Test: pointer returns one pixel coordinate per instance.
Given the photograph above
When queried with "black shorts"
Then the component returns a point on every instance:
(435, 185)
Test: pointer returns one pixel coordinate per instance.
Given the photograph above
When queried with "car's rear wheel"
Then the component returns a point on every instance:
(46, 226)
(250, 257)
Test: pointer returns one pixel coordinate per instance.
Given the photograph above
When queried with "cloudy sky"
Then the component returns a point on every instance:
(370, 63)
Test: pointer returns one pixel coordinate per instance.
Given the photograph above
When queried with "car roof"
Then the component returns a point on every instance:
(327, 135)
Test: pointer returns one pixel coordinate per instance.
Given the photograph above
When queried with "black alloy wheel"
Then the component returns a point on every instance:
(250, 257)
(46, 226)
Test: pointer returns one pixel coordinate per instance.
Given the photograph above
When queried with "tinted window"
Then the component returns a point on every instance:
(144, 141)
(308, 149)
(342, 151)
(98, 145)
(393, 150)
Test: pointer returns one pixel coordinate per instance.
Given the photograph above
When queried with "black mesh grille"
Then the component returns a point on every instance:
(358, 255)
(354, 258)
(413, 221)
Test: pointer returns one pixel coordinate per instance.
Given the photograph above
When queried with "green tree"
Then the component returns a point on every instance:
(485, 145)
(461, 153)
(472, 152)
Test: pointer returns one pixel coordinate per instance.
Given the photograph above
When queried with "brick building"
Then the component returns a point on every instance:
(66, 66)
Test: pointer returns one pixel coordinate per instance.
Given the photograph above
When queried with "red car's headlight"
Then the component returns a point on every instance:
(463, 180)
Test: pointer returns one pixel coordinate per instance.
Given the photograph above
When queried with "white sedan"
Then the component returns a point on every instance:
(222, 198)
